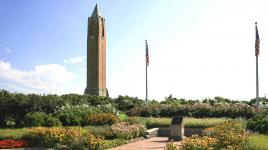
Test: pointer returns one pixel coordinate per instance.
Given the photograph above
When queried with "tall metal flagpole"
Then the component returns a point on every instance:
(257, 83)
(146, 65)
(257, 46)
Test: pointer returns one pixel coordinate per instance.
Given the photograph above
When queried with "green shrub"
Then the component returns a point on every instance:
(52, 121)
(259, 123)
(35, 119)
(75, 115)
(69, 119)
(40, 119)
(125, 103)
(102, 118)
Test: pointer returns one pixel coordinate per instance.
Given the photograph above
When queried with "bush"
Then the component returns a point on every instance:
(35, 119)
(229, 134)
(40, 119)
(70, 119)
(102, 118)
(94, 142)
(52, 137)
(76, 115)
(126, 130)
(52, 121)
(259, 123)
(125, 103)
(199, 143)
(14, 107)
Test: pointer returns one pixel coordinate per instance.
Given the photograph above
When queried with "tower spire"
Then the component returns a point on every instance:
(96, 11)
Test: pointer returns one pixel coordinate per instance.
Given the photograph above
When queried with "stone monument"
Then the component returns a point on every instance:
(96, 55)
(176, 128)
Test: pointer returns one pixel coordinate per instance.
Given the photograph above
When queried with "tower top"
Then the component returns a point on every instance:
(96, 11)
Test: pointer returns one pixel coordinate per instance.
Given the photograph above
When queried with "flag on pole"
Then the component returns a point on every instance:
(147, 55)
(257, 42)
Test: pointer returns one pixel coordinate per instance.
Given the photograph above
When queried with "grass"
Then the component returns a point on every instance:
(188, 122)
(15, 134)
(258, 142)
(114, 143)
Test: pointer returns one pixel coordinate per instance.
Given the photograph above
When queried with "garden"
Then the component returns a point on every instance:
(75, 121)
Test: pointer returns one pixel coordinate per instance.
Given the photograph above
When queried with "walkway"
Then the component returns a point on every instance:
(155, 143)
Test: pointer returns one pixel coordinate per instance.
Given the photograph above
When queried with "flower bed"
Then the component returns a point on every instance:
(229, 135)
(126, 130)
(52, 137)
(5, 144)
(102, 118)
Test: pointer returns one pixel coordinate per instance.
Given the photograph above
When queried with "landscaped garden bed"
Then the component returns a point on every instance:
(75, 121)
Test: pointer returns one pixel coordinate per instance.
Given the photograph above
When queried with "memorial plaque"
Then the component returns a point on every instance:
(177, 120)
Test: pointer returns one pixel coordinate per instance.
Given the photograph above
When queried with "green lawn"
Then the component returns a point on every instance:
(188, 122)
(258, 142)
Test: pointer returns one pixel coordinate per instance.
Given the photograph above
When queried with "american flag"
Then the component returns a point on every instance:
(257, 42)
(147, 54)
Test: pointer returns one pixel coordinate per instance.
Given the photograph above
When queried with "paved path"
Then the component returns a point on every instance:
(155, 143)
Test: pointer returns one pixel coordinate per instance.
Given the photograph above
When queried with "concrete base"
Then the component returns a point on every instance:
(152, 132)
(176, 138)
(188, 132)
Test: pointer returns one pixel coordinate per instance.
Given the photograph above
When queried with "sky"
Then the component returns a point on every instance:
(197, 48)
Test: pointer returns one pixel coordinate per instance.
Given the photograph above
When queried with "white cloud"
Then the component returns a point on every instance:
(75, 60)
(49, 77)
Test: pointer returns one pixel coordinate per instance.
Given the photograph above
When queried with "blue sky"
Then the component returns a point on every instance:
(198, 49)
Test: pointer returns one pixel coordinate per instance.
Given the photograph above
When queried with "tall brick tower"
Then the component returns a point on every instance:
(96, 55)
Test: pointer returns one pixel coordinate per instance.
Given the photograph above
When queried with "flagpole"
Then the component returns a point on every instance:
(257, 82)
(146, 78)
(257, 46)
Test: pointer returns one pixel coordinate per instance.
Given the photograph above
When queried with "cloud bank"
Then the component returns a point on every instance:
(49, 77)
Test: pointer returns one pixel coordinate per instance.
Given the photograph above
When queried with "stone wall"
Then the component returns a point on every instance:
(188, 132)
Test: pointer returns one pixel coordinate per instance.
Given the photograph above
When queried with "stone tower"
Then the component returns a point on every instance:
(96, 55)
